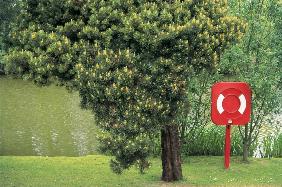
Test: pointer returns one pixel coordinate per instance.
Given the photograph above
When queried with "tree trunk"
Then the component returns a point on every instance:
(246, 144)
(245, 151)
(171, 161)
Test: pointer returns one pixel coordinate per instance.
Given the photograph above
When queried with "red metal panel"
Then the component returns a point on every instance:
(231, 103)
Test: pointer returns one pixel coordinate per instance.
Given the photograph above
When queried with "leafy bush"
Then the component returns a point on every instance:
(277, 147)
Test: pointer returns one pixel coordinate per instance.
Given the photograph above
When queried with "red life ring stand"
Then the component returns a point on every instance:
(230, 105)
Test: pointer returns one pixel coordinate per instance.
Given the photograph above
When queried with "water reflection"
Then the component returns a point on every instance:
(43, 121)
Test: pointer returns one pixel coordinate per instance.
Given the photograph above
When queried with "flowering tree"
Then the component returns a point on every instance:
(129, 59)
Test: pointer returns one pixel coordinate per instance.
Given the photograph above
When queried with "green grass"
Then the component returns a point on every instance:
(94, 171)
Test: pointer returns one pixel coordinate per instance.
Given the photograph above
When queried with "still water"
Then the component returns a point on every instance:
(43, 121)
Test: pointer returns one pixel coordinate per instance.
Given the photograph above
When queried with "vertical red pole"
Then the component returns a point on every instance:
(227, 146)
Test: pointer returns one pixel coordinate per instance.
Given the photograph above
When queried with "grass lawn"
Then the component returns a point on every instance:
(94, 171)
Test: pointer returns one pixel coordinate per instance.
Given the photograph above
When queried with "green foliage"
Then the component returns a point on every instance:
(257, 60)
(196, 117)
(270, 141)
(8, 12)
(198, 135)
(277, 147)
(130, 60)
(270, 146)
(7, 9)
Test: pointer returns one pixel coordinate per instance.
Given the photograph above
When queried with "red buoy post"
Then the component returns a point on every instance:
(227, 146)
(230, 105)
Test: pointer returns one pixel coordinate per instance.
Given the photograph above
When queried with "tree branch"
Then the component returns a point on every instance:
(240, 130)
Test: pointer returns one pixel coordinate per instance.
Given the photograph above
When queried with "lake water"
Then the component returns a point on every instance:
(43, 121)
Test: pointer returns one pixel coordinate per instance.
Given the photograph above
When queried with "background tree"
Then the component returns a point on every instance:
(8, 11)
(130, 61)
(256, 61)
(199, 136)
